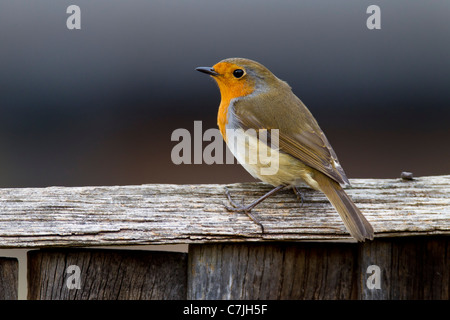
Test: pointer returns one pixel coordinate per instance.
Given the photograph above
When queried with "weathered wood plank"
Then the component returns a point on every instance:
(9, 271)
(272, 271)
(413, 268)
(106, 275)
(167, 214)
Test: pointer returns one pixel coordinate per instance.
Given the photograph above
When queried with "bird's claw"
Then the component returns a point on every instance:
(299, 196)
(243, 208)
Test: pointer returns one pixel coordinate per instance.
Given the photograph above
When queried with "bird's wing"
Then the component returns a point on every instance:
(299, 134)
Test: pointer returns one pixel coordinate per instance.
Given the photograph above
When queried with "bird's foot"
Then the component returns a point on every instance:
(299, 196)
(235, 207)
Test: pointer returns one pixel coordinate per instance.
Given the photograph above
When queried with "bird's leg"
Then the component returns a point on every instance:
(299, 195)
(249, 207)
(246, 209)
(233, 203)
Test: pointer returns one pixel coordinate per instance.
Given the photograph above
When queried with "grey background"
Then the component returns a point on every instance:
(97, 106)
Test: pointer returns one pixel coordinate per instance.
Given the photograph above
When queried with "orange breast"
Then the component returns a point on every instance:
(228, 93)
(222, 117)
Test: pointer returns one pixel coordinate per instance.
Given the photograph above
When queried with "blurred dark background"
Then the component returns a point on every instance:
(97, 106)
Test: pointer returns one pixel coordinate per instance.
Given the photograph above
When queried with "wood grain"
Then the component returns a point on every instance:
(9, 271)
(317, 271)
(106, 274)
(413, 268)
(169, 214)
(410, 268)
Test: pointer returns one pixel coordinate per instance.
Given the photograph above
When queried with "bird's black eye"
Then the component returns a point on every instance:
(238, 73)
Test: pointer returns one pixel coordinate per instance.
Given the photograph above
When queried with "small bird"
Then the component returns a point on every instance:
(252, 97)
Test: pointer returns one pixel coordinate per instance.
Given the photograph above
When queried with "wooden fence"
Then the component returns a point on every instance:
(304, 253)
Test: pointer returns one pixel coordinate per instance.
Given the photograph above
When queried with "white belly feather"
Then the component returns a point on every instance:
(266, 163)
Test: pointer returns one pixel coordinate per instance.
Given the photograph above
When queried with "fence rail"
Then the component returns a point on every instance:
(229, 257)
(168, 214)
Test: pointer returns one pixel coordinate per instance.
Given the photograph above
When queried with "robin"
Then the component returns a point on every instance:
(252, 97)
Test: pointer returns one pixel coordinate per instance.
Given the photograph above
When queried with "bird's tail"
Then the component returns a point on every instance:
(353, 219)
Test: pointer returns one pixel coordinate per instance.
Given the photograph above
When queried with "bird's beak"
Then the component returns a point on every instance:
(207, 70)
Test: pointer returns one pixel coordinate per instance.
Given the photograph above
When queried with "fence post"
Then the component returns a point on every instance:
(9, 271)
(272, 271)
(405, 268)
(96, 274)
